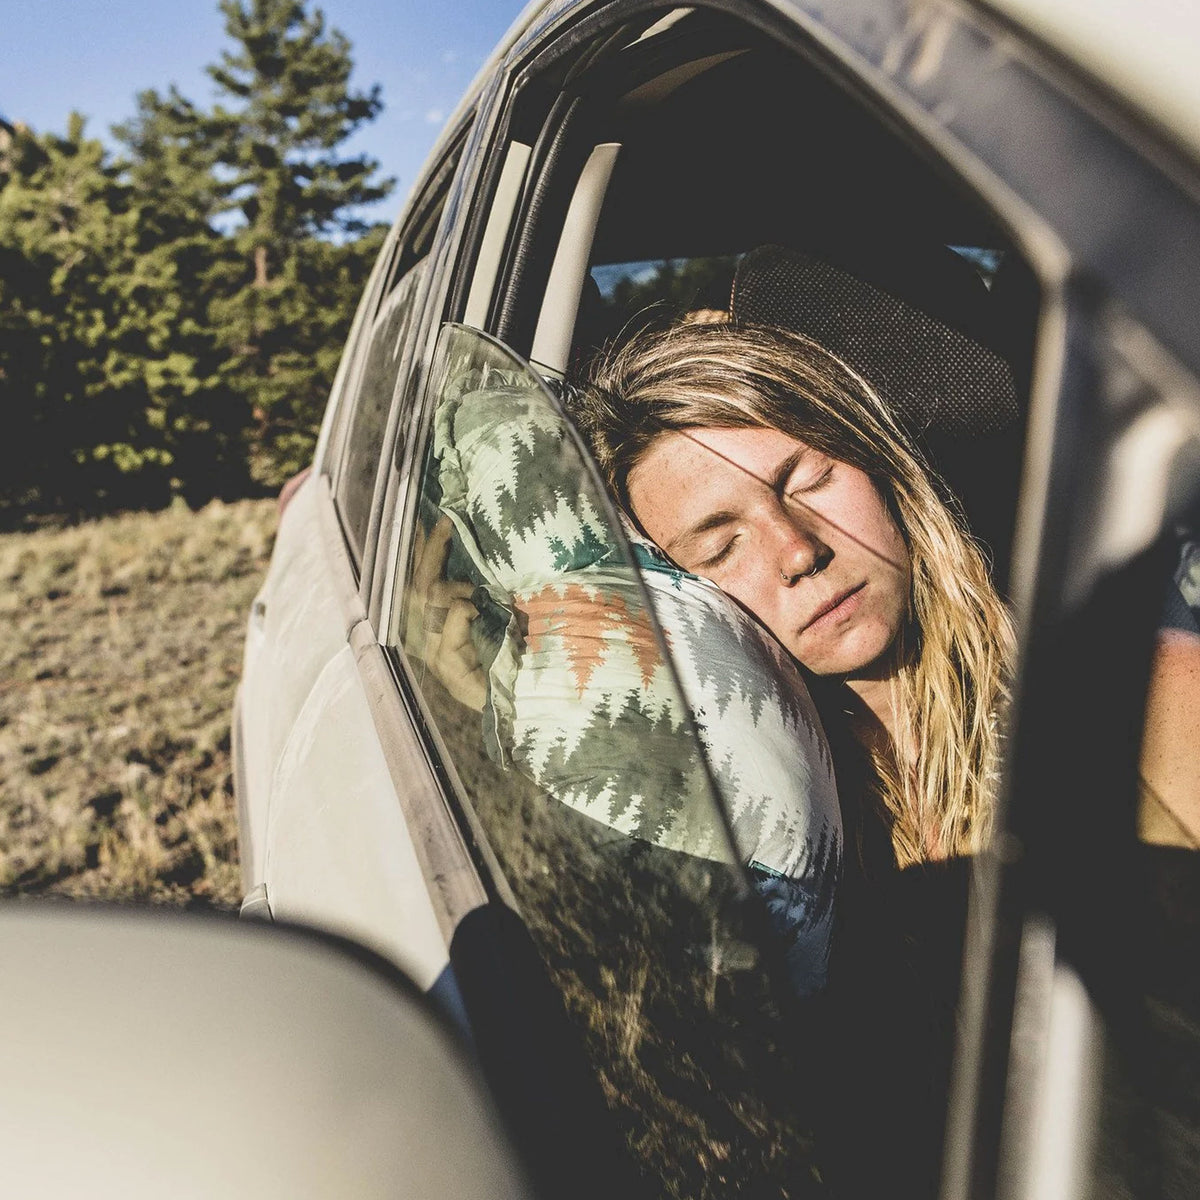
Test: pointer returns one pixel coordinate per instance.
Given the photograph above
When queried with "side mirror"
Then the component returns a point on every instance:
(151, 1054)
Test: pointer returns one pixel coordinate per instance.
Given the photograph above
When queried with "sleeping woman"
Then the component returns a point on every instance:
(756, 459)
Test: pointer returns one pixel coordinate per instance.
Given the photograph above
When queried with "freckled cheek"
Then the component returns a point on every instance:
(745, 586)
(766, 600)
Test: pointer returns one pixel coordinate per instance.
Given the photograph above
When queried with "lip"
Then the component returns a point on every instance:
(835, 608)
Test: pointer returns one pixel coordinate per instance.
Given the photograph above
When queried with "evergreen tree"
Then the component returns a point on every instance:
(85, 329)
(170, 173)
(26, 322)
(168, 317)
(288, 295)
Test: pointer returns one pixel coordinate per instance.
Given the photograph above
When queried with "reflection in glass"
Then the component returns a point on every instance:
(528, 631)
(364, 442)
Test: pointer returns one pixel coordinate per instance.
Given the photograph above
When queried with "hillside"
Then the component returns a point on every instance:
(120, 650)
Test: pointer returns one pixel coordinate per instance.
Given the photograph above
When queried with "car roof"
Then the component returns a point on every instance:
(1144, 50)
(1141, 51)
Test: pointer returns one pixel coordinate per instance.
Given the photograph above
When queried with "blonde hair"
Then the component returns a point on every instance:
(953, 654)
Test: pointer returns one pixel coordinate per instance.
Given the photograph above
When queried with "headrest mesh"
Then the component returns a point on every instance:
(939, 381)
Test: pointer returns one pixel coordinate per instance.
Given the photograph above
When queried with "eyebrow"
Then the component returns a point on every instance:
(783, 472)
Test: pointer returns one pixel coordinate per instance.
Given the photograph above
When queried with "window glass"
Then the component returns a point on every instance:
(358, 437)
(352, 356)
(666, 289)
(355, 486)
(528, 626)
(625, 295)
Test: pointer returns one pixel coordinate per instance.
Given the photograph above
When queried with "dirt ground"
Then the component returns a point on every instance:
(120, 649)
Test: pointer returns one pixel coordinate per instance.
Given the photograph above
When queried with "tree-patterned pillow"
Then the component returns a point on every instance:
(581, 698)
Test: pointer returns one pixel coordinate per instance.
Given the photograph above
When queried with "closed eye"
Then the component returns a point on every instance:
(717, 559)
(804, 487)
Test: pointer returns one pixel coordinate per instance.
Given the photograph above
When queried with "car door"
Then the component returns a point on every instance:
(329, 841)
(648, 965)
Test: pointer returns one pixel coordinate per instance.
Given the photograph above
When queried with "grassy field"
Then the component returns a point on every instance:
(120, 648)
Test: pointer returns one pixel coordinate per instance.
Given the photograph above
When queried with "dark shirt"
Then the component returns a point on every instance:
(894, 977)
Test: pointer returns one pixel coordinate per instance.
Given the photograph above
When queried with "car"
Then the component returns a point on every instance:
(1007, 195)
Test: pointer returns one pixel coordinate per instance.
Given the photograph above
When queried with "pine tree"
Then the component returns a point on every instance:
(173, 191)
(288, 295)
(26, 320)
(171, 315)
(85, 320)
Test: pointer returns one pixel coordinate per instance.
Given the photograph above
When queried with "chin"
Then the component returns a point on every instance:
(860, 656)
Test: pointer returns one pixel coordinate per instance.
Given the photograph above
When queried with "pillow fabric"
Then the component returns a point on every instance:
(582, 699)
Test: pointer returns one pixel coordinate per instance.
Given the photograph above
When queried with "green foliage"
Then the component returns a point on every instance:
(292, 108)
(282, 340)
(171, 319)
(97, 390)
(291, 286)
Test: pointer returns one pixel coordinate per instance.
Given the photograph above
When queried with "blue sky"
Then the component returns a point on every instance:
(94, 55)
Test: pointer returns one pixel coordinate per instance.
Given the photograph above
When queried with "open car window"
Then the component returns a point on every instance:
(646, 771)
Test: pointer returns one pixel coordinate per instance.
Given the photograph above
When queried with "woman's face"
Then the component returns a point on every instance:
(804, 541)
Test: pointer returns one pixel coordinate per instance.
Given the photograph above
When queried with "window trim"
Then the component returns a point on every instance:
(408, 291)
(560, 302)
(495, 233)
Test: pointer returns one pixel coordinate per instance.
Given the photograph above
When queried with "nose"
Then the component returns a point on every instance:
(801, 550)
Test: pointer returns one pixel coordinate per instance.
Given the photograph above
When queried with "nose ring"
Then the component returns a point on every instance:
(800, 575)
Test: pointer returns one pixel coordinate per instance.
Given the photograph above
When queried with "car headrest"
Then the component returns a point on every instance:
(922, 348)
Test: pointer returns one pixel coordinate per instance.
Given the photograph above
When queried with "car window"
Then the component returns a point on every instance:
(700, 287)
(625, 295)
(341, 409)
(660, 178)
(669, 172)
(559, 716)
(377, 358)
(355, 486)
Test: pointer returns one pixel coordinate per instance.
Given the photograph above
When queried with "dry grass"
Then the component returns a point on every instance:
(120, 648)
